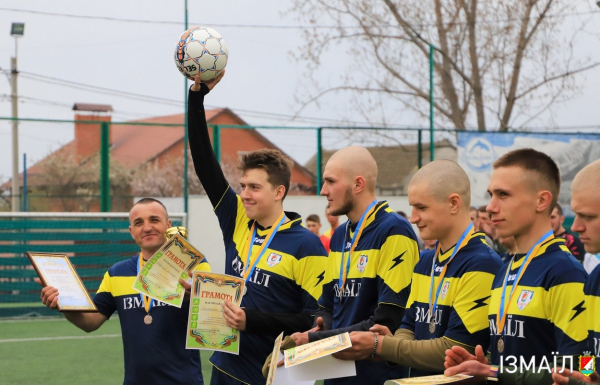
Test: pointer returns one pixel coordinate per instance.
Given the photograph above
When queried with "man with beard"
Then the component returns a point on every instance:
(371, 261)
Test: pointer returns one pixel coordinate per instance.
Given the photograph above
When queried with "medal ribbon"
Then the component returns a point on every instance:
(462, 242)
(359, 229)
(503, 311)
(263, 247)
(147, 302)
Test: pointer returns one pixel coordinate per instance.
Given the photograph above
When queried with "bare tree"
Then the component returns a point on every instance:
(165, 178)
(76, 184)
(498, 63)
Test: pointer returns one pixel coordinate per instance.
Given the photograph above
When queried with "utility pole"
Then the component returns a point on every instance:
(185, 129)
(15, 134)
(17, 30)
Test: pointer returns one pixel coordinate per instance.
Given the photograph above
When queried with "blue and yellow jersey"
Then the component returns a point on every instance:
(155, 353)
(461, 313)
(592, 302)
(287, 279)
(547, 313)
(380, 267)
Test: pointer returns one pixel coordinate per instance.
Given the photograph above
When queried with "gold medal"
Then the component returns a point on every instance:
(500, 345)
(432, 327)
(148, 319)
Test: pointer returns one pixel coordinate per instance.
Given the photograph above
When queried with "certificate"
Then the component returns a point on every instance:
(56, 270)
(159, 277)
(317, 349)
(430, 380)
(274, 358)
(207, 329)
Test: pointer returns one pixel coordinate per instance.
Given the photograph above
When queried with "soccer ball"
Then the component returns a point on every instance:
(201, 50)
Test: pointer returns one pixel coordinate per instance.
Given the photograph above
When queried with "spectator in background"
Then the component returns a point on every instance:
(429, 244)
(573, 243)
(334, 222)
(419, 240)
(474, 215)
(485, 224)
(590, 261)
(313, 223)
(511, 248)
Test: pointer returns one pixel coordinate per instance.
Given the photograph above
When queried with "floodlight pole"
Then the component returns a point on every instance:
(15, 131)
(185, 129)
(431, 143)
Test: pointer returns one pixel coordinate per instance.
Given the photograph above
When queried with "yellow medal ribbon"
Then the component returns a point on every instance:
(465, 238)
(503, 311)
(250, 243)
(147, 300)
(362, 223)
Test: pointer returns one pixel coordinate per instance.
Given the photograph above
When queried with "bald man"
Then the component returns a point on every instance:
(462, 267)
(371, 260)
(585, 203)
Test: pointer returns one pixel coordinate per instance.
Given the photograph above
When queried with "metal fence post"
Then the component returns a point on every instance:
(319, 170)
(217, 142)
(420, 149)
(431, 142)
(104, 167)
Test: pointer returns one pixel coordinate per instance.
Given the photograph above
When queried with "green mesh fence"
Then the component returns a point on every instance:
(93, 242)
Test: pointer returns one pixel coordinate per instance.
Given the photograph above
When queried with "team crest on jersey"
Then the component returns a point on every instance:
(362, 263)
(524, 299)
(273, 259)
(445, 288)
(587, 364)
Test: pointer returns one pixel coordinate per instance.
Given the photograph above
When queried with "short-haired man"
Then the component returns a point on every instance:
(485, 225)
(451, 285)
(585, 203)
(154, 353)
(282, 262)
(474, 215)
(370, 264)
(509, 244)
(334, 223)
(573, 243)
(537, 306)
(313, 224)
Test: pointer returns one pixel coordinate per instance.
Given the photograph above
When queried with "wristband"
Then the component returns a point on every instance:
(375, 347)
(493, 375)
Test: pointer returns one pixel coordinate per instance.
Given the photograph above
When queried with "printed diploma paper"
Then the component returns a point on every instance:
(159, 277)
(207, 329)
(56, 270)
(430, 380)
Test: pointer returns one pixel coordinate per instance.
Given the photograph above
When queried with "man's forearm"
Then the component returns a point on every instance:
(272, 324)
(387, 315)
(428, 355)
(88, 322)
(205, 162)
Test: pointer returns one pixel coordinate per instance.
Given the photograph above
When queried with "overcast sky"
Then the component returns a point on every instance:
(261, 83)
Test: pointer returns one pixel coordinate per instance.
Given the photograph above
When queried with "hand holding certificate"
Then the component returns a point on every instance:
(159, 277)
(57, 271)
(314, 361)
(207, 329)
